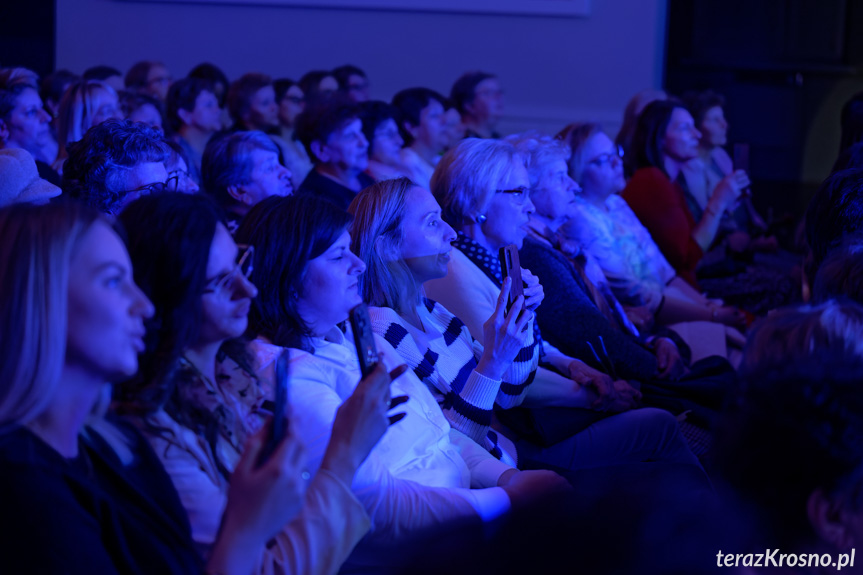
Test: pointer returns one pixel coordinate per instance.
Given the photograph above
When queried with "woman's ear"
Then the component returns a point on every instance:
(386, 250)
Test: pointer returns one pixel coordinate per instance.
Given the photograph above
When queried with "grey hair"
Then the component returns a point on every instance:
(227, 162)
(467, 176)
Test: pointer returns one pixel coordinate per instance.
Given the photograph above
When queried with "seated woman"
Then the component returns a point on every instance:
(196, 400)
(291, 101)
(84, 105)
(385, 141)
(740, 227)
(602, 224)
(75, 480)
(24, 123)
(495, 210)
(398, 231)
(665, 140)
(425, 482)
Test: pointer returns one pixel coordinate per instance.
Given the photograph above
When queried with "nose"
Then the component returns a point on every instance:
(696, 132)
(363, 143)
(358, 267)
(450, 233)
(573, 185)
(284, 173)
(141, 305)
(191, 185)
(529, 208)
(243, 287)
(44, 117)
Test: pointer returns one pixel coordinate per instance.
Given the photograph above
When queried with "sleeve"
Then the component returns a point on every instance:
(319, 540)
(569, 319)
(656, 202)
(396, 507)
(485, 469)
(45, 530)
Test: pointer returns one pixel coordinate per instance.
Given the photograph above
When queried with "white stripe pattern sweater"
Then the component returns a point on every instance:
(448, 368)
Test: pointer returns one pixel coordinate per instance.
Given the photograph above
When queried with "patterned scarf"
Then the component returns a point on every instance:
(490, 265)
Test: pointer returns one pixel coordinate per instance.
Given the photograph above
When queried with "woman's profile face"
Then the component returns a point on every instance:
(27, 124)
(330, 287)
(291, 105)
(681, 137)
(714, 128)
(106, 310)
(426, 238)
(106, 106)
(509, 209)
(387, 143)
(227, 293)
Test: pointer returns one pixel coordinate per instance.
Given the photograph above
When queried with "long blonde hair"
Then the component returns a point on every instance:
(76, 111)
(376, 238)
(36, 246)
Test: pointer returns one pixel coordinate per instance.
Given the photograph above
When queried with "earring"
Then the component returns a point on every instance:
(481, 218)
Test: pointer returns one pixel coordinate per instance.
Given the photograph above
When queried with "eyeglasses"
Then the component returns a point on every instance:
(607, 158)
(519, 195)
(295, 99)
(173, 181)
(244, 267)
(154, 188)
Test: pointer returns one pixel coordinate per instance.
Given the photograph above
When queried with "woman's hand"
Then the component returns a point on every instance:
(730, 316)
(612, 396)
(728, 191)
(504, 334)
(668, 360)
(361, 421)
(533, 292)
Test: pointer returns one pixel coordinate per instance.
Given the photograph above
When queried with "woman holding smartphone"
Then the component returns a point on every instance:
(196, 411)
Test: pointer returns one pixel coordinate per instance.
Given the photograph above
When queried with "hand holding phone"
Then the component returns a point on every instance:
(511, 267)
(361, 325)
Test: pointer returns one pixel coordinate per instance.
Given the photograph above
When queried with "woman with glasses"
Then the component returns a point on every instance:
(197, 400)
(399, 232)
(82, 491)
(603, 225)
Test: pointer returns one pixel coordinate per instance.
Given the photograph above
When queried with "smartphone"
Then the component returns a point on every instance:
(279, 426)
(364, 339)
(510, 267)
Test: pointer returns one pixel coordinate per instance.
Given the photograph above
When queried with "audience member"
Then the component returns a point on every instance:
(452, 122)
(111, 76)
(52, 87)
(252, 103)
(84, 105)
(333, 135)
(603, 224)
(478, 97)
(142, 108)
(423, 128)
(353, 83)
(114, 163)
(23, 120)
(241, 169)
(415, 484)
(83, 482)
(21, 182)
(318, 85)
(835, 212)
(217, 79)
(150, 78)
(196, 413)
(624, 139)
(292, 102)
(380, 127)
(193, 116)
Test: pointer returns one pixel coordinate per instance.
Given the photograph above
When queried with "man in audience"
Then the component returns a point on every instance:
(150, 78)
(194, 116)
(479, 99)
(114, 163)
(333, 135)
(241, 169)
(353, 83)
(423, 128)
(252, 103)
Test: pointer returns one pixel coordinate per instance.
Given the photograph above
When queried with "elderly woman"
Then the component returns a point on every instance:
(84, 483)
(492, 211)
(84, 105)
(602, 223)
(24, 123)
(196, 398)
(399, 232)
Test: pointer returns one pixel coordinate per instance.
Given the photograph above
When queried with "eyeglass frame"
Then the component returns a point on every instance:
(606, 158)
(155, 187)
(520, 195)
(220, 284)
